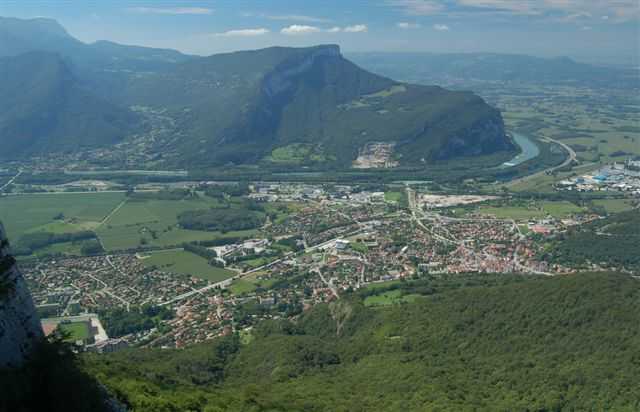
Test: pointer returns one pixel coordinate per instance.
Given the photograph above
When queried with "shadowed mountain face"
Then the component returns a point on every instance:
(232, 108)
(43, 109)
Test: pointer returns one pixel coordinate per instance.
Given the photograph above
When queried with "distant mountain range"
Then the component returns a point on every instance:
(295, 106)
(470, 68)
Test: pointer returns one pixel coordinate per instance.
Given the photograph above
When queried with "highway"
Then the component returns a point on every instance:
(10, 182)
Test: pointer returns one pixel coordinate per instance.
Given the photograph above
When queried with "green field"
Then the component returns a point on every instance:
(154, 223)
(66, 248)
(76, 330)
(557, 209)
(131, 224)
(187, 263)
(393, 196)
(36, 212)
(614, 205)
(378, 285)
(298, 153)
(241, 286)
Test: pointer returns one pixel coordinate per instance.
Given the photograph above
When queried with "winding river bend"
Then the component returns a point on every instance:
(528, 147)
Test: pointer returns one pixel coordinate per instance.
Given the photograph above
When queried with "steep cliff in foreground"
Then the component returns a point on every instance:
(37, 374)
(20, 327)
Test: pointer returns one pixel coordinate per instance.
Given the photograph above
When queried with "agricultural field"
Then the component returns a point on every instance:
(186, 263)
(66, 248)
(614, 205)
(557, 209)
(37, 212)
(154, 223)
(600, 125)
(120, 222)
(298, 153)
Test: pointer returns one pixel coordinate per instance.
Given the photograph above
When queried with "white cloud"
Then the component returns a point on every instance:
(406, 25)
(170, 10)
(298, 29)
(358, 28)
(441, 27)
(334, 30)
(511, 6)
(296, 17)
(244, 33)
(418, 7)
(564, 11)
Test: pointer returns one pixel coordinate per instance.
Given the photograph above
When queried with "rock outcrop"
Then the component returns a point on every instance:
(20, 327)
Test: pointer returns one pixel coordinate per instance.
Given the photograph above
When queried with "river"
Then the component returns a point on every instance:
(528, 147)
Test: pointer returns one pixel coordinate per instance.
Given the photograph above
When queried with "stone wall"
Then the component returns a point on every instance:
(20, 326)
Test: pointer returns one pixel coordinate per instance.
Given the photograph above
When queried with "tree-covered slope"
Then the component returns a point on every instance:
(43, 109)
(613, 242)
(553, 344)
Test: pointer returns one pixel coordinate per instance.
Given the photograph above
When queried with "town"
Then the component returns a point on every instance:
(328, 241)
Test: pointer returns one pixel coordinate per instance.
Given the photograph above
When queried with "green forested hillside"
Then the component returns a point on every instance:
(613, 242)
(43, 109)
(483, 344)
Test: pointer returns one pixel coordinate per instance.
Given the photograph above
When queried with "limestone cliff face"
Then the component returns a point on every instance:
(20, 326)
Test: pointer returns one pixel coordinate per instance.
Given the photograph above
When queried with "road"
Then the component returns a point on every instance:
(571, 158)
(113, 212)
(79, 193)
(10, 182)
(226, 282)
(107, 290)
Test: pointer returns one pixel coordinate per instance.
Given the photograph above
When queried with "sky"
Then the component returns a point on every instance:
(595, 30)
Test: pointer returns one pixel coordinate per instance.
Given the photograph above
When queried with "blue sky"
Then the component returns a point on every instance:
(585, 29)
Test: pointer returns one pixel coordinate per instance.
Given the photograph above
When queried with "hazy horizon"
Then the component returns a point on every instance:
(590, 31)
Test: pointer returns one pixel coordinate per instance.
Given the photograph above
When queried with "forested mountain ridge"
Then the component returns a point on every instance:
(471, 343)
(18, 36)
(43, 108)
(238, 108)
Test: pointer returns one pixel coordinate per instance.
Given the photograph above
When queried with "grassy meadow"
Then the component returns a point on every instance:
(186, 263)
(535, 210)
(36, 212)
(154, 223)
